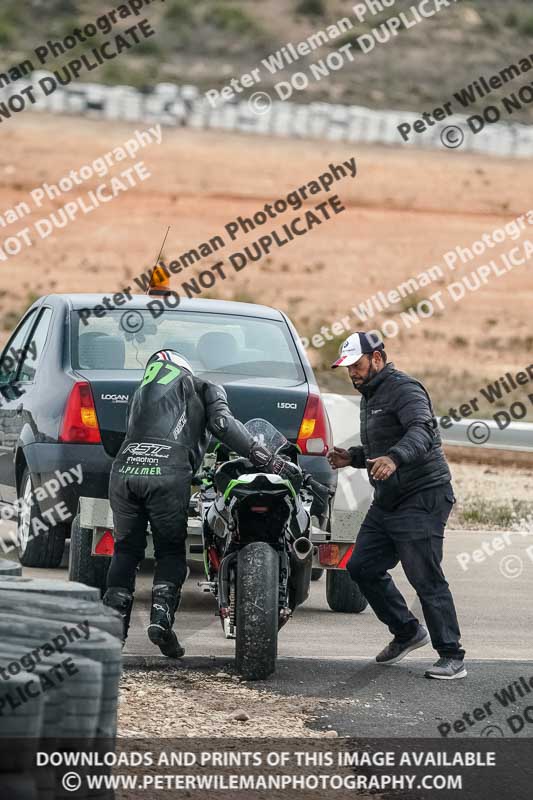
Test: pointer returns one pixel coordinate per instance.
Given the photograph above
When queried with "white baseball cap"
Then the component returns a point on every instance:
(355, 347)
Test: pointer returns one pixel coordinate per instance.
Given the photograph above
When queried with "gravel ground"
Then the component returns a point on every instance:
(178, 702)
(492, 497)
(172, 703)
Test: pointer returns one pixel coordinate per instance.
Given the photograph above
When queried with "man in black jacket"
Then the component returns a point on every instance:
(413, 496)
(170, 421)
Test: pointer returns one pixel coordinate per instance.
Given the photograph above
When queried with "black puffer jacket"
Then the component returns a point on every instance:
(397, 420)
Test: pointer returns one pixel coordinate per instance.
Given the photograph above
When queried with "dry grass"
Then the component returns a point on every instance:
(405, 209)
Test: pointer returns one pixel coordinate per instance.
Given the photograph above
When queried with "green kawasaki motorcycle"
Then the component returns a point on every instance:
(257, 548)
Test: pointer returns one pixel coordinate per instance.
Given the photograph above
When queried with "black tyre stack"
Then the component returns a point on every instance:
(60, 666)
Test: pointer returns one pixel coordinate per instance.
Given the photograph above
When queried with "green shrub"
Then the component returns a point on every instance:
(10, 320)
(459, 341)
(7, 33)
(31, 297)
(231, 19)
(349, 38)
(490, 26)
(180, 12)
(114, 74)
(478, 510)
(311, 8)
(329, 352)
(410, 300)
(148, 47)
(62, 7)
(511, 19)
(242, 295)
(526, 26)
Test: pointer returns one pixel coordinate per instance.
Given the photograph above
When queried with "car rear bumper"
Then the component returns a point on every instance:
(96, 515)
(62, 463)
(56, 461)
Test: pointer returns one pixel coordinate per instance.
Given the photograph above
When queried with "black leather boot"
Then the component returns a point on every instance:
(122, 601)
(165, 600)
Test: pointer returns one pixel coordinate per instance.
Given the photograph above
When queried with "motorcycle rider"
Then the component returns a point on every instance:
(171, 416)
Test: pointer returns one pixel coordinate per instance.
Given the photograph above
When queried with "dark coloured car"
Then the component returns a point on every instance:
(69, 369)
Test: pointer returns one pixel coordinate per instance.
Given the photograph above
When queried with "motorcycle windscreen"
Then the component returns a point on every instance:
(265, 434)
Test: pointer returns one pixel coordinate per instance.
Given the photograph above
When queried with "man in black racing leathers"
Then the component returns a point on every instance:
(171, 417)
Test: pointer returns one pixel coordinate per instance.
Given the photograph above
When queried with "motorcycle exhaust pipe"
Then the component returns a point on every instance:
(301, 566)
(302, 549)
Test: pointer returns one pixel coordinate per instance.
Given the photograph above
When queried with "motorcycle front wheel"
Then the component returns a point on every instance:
(256, 647)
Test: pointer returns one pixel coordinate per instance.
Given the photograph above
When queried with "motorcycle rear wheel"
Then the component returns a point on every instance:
(256, 647)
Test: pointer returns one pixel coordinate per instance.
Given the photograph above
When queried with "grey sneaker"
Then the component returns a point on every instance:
(447, 669)
(396, 650)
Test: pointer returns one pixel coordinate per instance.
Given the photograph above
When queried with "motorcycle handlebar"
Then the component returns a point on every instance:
(318, 488)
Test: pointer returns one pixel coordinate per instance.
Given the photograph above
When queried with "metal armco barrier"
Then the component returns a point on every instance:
(485, 433)
(518, 436)
(186, 106)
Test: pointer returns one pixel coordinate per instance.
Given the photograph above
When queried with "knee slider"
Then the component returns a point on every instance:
(119, 599)
(167, 592)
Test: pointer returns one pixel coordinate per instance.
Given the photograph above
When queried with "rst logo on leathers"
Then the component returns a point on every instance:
(147, 449)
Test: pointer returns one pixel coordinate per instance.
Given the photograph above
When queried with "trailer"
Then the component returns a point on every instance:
(92, 541)
(92, 545)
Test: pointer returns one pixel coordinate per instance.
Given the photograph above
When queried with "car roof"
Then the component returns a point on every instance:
(139, 301)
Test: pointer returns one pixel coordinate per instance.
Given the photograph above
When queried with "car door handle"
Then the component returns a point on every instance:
(19, 408)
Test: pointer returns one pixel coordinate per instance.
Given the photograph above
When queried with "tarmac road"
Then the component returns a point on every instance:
(495, 611)
(331, 656)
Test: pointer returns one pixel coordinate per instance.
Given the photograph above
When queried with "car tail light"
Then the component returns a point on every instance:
(331, 555)
(80, 423)
(313, 438)
(106, 544)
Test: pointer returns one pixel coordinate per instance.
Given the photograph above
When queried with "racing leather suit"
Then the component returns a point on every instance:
(169, 424)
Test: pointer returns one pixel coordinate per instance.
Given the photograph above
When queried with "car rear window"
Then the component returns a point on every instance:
(223, 344)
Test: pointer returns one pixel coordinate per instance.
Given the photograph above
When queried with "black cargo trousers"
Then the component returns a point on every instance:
(413, 534)
(138, 496)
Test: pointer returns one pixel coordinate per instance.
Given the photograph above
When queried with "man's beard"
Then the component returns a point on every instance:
(360, 382)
